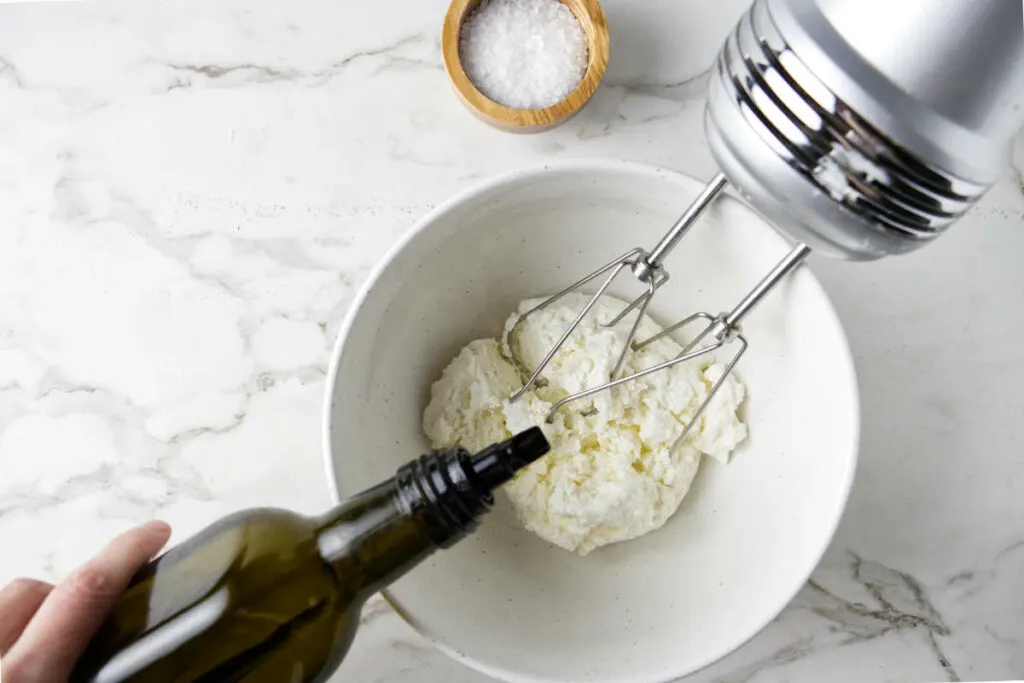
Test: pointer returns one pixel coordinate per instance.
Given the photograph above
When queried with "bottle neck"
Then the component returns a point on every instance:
(378, 535)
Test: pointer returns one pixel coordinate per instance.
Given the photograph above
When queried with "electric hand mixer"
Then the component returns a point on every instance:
(862, 128)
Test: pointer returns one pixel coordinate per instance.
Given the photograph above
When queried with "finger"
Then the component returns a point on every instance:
(69, 617)
(19, 600)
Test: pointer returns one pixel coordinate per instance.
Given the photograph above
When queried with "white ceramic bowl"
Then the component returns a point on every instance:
(747, 536)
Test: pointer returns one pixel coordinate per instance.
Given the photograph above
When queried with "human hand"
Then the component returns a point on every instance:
(45, 629)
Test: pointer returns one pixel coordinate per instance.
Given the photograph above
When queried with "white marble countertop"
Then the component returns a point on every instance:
(190, 194)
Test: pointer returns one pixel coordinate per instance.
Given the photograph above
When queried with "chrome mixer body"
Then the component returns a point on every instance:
(858, 128)
(865, 128)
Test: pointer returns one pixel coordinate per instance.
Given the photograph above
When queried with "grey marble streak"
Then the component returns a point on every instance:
(414, 51)
(899, 602)
(7, 71)
(690, 88)
(1017, 161)
(851, 604)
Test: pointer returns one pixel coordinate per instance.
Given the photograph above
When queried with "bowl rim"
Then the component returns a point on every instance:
(523, 174)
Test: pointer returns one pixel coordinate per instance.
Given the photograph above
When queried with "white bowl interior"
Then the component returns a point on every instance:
(747, 536)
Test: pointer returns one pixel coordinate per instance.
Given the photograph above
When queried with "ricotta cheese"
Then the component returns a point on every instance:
(611, 474)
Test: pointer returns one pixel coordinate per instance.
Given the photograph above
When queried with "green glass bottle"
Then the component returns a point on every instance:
(268, 596)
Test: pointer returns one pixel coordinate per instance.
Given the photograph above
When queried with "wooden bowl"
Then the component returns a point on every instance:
(591, 18)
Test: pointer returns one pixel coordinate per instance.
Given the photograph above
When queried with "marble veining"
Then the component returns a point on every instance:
(191, 194)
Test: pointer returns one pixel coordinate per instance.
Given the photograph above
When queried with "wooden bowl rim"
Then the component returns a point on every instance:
(597, 62)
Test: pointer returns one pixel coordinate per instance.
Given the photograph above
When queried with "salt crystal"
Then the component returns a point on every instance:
(524, 54)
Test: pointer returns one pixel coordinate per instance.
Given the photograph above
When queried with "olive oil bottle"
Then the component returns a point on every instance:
(267, 596)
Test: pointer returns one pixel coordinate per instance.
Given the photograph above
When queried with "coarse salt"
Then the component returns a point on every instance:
(524, 54)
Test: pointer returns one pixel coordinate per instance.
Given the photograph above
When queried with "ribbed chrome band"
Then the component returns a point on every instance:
(822, 138)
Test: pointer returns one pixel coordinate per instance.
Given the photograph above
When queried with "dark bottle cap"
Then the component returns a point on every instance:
(451, 488)
(497, 464)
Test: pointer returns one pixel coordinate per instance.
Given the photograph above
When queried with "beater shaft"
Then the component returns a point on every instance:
(689, 217)
(789, 262)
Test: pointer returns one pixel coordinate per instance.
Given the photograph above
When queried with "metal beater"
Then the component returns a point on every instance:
(647, 267)
(843, 142)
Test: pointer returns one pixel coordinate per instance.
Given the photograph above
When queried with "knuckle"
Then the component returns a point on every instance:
(90, 583)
